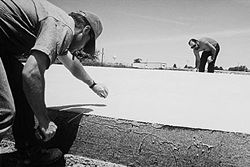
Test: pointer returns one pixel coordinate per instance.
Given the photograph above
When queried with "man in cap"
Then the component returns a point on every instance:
(44, 32)
(210, 49)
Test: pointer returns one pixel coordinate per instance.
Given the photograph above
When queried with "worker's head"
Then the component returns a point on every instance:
(193, 43)
(88, 27)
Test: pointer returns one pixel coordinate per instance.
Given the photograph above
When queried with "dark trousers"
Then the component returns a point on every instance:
(204, 57)
(12, 42)
(23, 127)
(7, 108)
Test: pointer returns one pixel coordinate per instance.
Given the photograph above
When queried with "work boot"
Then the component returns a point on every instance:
(37, 156)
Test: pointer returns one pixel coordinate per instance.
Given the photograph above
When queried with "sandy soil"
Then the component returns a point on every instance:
(71, 160)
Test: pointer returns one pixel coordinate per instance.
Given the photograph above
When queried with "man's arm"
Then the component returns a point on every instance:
(197, 58)
(34, 85)
(212, 49)
(77, 70)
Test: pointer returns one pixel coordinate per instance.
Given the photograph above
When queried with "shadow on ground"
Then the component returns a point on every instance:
(67, 118)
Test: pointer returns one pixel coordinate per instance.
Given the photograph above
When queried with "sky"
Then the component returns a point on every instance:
(158, 30)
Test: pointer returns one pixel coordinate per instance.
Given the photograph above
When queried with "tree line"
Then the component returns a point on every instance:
(94, 60)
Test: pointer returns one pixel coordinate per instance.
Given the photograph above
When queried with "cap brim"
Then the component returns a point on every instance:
(89, 48)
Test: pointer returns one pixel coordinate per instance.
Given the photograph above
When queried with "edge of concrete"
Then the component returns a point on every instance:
(135, 143)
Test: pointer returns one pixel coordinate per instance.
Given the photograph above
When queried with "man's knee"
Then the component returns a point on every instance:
(6, 121)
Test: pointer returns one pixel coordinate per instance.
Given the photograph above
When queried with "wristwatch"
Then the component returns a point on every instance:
(92, 85)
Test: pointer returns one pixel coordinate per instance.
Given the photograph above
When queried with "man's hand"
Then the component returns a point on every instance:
(100, 90)
(196, 70)
(209, 59)
(48, 132)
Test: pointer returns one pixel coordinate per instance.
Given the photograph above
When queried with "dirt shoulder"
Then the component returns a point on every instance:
(99, 140)
(7, 146)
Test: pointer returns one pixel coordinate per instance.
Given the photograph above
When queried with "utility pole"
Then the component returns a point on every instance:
(102, 55)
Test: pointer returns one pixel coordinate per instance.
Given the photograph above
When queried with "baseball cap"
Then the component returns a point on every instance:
(96, 30)
(193, 45)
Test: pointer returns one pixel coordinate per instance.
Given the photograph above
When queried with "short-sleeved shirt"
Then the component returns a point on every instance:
(209, 40)
(27, 25)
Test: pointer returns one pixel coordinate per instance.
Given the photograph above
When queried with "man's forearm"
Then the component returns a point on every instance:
(213, 55)
(76, 68)
(213, 50)
(34, 85)
(34, 91)
(197, 63)
(80, 73)
(197, 58)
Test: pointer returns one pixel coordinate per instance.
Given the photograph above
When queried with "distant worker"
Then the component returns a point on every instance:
(210, 49)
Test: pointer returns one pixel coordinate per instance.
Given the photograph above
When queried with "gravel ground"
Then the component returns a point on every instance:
(71, 160)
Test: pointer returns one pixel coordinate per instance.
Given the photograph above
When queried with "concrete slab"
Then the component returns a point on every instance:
(188, 99)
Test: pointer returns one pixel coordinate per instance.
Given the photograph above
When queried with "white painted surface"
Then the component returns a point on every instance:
(199, 100)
